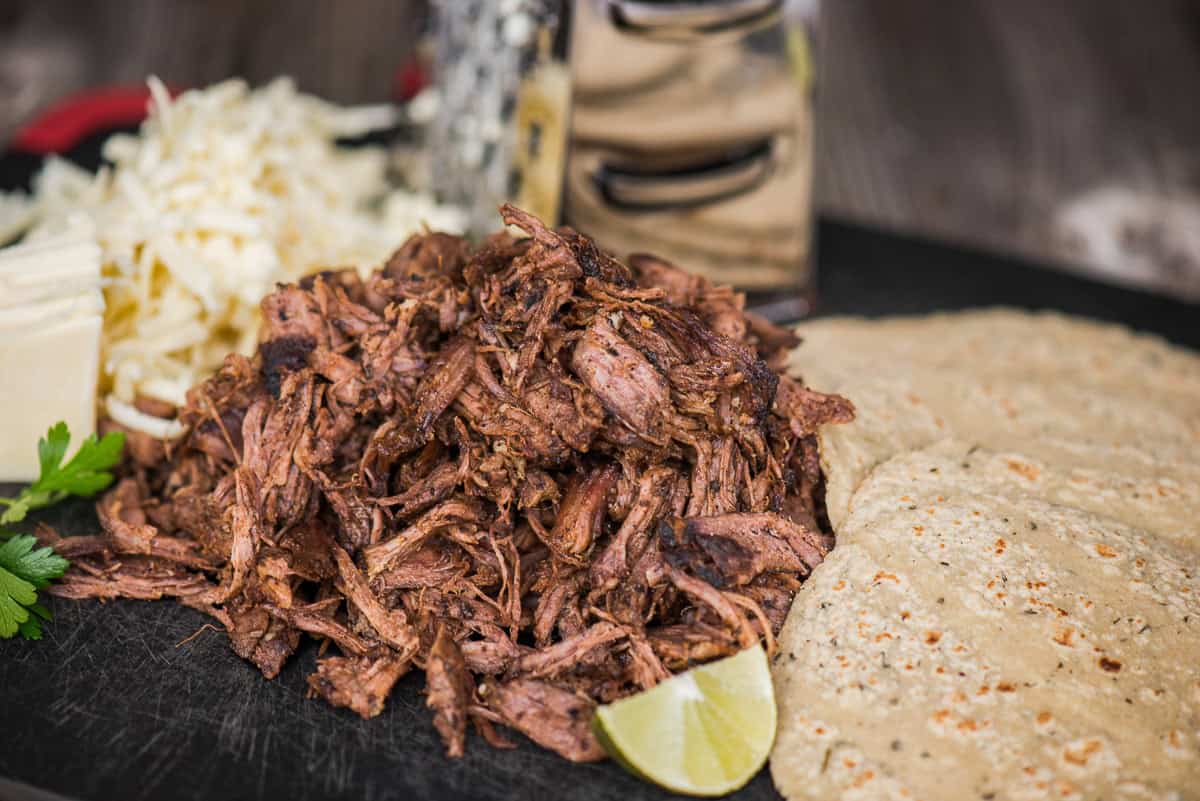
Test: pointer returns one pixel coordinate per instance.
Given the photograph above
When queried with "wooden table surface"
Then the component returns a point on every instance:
(1065, 130)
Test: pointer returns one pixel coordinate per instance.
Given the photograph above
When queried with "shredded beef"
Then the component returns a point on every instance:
(546, 479)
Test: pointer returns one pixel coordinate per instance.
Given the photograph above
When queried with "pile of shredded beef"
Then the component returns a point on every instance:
(544, 477)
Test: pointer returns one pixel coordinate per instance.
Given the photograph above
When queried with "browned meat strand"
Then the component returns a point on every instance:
(627, 384)
(734, 549)
(542, 477)
(450, 690)
(553, 717)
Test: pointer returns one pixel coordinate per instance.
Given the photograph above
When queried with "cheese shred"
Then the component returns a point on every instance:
(223, 193)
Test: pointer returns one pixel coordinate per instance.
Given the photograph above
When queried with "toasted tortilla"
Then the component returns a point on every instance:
(1117, 413)
(1013, 607)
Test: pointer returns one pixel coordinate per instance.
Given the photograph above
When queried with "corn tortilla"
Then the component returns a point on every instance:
(1013, 607)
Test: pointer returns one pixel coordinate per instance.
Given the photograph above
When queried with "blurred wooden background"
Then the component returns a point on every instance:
(1067, 130)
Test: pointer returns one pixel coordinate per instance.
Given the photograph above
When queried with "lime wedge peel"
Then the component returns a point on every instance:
(705, 732)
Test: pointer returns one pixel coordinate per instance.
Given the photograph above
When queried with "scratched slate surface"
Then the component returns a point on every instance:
(121, 701)
(139, 700)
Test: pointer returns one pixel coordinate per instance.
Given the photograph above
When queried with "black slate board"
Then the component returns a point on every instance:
(134, 700)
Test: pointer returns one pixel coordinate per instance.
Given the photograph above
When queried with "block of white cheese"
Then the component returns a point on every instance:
(55, 267)
(51, 313)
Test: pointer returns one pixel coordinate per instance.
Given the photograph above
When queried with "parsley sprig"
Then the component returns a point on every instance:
(86, 474)
(24, 569)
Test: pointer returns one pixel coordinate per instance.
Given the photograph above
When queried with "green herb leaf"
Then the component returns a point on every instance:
(31, 629)
(53, 448)
(17, 509)
(41, 612)
(87, 473)
(15, 595)
(23, 571)
(19, 557)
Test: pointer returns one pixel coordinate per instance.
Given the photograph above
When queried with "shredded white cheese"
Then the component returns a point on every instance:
(223, 193)
(16, 214)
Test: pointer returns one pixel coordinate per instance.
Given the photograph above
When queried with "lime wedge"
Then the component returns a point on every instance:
(704, 732)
